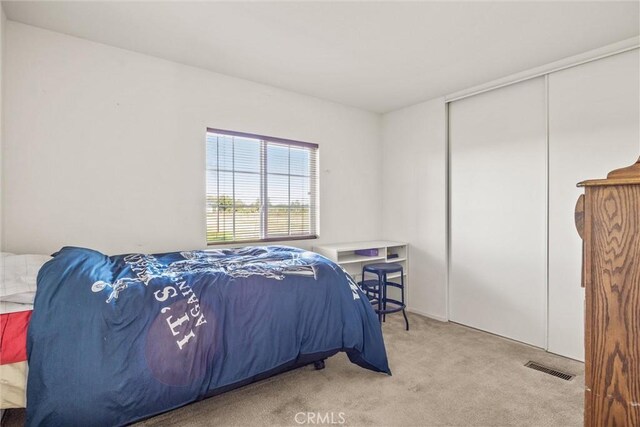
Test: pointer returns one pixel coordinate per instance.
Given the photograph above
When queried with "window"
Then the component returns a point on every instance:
(260, 188)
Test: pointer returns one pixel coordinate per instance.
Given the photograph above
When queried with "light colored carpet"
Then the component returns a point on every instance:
(443, 375)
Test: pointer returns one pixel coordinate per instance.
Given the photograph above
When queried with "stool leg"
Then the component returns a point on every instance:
(384, 304)
(380, 298)
(366, 292)
(406, 321)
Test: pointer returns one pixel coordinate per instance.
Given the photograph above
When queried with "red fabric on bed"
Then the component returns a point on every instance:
(13, 336)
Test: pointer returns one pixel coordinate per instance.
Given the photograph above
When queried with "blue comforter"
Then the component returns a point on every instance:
(117, 339)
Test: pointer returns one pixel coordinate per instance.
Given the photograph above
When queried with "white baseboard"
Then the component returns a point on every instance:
(429, 315)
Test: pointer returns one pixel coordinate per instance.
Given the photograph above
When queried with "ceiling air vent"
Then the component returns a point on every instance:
(550, 371)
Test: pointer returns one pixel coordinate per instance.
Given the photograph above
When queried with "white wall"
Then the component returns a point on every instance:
(2, 27)
(105, 147)
(414, 189)
(3, 21)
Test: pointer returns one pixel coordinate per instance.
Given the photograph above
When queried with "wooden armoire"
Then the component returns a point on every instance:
(608, 220)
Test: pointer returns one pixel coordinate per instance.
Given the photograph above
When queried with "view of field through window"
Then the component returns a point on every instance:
(259, 189)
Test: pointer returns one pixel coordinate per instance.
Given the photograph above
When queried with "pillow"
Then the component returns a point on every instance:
(18, 274)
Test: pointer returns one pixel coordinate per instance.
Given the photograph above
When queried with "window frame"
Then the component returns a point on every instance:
(313, 186)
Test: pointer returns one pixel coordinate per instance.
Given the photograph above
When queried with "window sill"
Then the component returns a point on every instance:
(272, 239)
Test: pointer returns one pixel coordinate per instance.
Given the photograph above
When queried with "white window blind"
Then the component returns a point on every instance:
(260, 188)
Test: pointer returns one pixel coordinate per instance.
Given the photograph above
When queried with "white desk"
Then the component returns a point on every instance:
(388, 251)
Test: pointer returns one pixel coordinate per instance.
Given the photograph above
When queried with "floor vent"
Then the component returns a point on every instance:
(550, 371)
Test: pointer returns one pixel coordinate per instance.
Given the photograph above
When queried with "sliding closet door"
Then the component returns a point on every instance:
(593, 128)
(498, 207)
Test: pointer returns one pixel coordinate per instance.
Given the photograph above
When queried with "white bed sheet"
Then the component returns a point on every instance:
(12, 307)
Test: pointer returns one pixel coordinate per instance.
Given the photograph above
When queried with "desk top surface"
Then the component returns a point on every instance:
(352, 246)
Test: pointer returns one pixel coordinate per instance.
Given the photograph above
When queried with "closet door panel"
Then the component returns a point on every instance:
(498, 208)
(593, 128)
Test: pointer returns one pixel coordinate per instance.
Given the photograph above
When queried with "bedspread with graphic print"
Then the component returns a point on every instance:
(117, 339)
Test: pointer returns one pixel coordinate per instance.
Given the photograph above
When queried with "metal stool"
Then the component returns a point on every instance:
(376, 289)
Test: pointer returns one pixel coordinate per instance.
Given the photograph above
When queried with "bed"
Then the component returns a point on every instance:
(14, 321)
(17, 291)
(113, 340)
